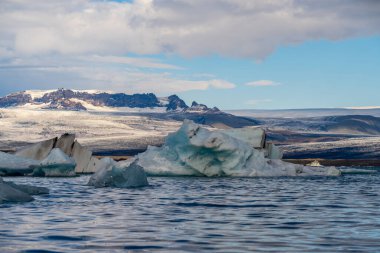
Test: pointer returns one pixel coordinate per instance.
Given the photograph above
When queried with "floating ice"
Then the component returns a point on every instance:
(15, 165)
(56, 164)
(197, 151)
(86, 162)
(11, 192)
(314, 163)
(365, 170)
(121, 175)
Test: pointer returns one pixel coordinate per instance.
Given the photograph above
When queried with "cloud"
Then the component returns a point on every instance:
(254, 102)
(89, 43)
(238, 28)
(262, 83)
(137, 62)
(128, 80)
(53, 61)
(221, 84)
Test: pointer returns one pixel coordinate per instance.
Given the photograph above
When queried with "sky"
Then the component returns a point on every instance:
(233, 54)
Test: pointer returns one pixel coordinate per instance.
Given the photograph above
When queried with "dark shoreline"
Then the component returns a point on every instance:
(338, 162)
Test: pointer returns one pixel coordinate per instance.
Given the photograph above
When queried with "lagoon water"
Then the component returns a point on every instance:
(198, 214)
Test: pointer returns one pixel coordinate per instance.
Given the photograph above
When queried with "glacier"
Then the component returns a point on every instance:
(197, 151)
(125, 174)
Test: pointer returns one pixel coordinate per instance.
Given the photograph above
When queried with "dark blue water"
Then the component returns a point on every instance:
(198, 215)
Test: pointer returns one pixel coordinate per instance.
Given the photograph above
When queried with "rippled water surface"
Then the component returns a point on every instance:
(198, 214)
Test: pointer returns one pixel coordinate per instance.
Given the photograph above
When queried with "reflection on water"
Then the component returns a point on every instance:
(198, 214)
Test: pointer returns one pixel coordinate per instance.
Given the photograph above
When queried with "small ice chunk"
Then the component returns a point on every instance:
(56, 164)
(11, 192)
(29, 189)
(314, 163)
(121, 175)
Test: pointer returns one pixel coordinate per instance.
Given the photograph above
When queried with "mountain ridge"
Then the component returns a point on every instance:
(75, 100)
(140, 104)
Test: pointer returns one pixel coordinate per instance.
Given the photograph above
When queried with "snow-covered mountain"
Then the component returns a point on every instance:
(107, 121)
(101, 120)
(75, 100)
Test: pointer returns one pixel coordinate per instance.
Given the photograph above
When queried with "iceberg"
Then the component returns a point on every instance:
(82, 156)
(125, 174)
(254, 136)
(37, 151)
(85, 161)
(314, 163)
(56, 164)
(14, 165)
(196, 151)
(11, 192)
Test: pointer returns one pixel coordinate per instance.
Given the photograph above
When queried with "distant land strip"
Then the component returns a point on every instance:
(338, 162)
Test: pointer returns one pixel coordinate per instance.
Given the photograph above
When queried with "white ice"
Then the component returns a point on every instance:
(56, 164)
(11, 164)
(196, 151)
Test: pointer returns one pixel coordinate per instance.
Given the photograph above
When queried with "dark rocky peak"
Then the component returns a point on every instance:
(15, 99)
(175, 103)
(124, 100)
(102, 99)
(64, 99)
(68, 105)
(61, 94)
(196, 107)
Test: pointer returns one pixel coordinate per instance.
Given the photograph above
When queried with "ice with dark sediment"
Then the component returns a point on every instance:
(196, 151)
(119, 174)
(85, 161)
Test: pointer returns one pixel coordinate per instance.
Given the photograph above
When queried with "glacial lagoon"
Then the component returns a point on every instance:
(196, 214)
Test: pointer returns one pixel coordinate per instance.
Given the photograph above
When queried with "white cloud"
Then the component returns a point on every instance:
(78, 43)
(159, 83)
(221, 84)
(129, 80)
(53, 61)
(137, 62)
(262, 83)
(239, 28)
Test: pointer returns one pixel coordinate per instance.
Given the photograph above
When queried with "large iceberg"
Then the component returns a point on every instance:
(56, 164)
(11, 192)
(119, 174)
(196, 151)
